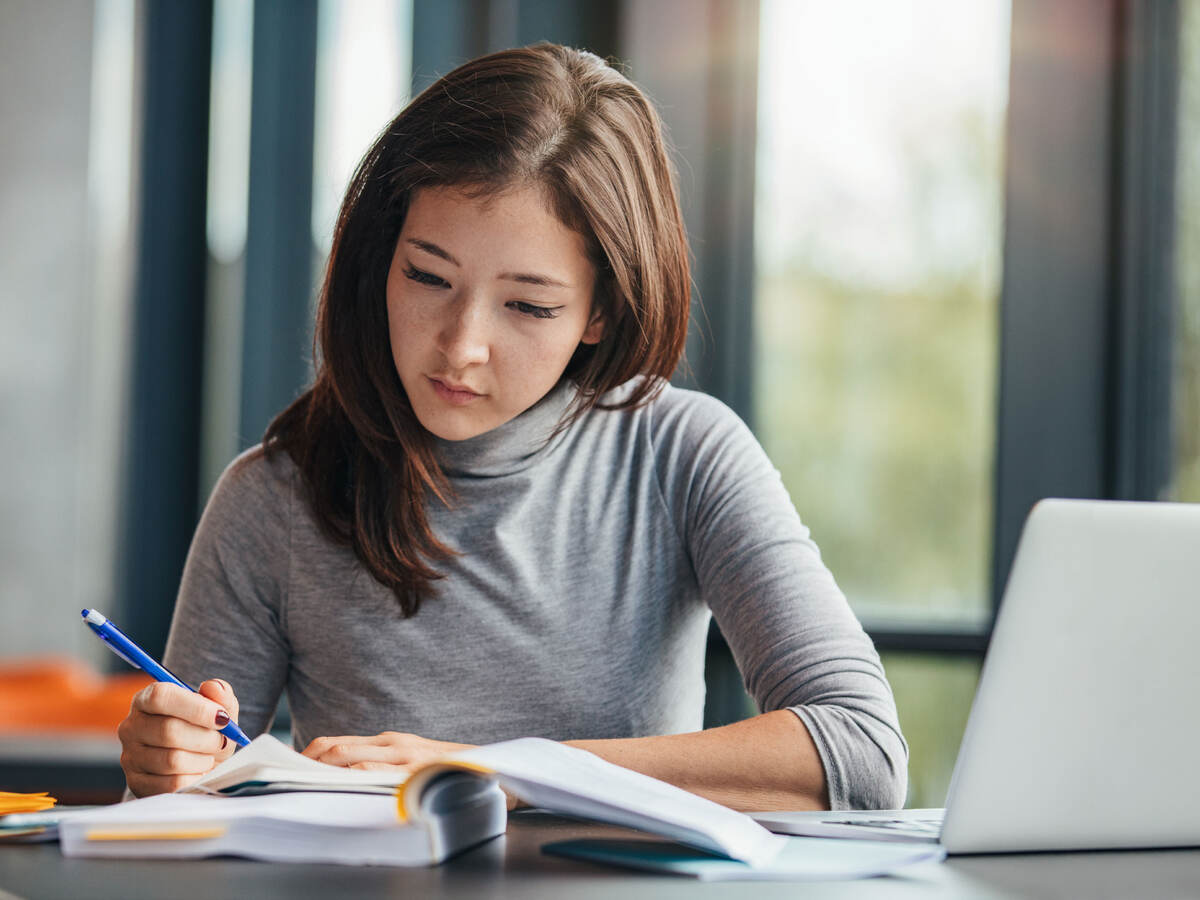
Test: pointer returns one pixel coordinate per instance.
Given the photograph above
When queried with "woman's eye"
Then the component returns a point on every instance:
(421, 277)
(530, 309)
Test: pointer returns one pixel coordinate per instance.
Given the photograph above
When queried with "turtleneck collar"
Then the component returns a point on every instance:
(513, 446)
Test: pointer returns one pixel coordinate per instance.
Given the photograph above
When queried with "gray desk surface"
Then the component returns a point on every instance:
(514, 867)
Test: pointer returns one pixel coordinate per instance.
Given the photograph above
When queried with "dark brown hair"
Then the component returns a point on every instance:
(547, 115)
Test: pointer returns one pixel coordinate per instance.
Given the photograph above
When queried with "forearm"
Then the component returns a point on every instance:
(766, 762)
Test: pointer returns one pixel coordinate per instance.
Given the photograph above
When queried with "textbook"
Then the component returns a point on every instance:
(268, 766)
(269, 802)
(308, 826)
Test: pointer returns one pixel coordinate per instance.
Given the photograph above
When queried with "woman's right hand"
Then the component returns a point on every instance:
(172, 736)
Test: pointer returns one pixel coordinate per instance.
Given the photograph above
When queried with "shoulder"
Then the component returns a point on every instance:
(691, 427)
(691, 438)
(256, 484)
(676, 412)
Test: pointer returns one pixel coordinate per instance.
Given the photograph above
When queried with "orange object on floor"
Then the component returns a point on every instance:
(63, 695)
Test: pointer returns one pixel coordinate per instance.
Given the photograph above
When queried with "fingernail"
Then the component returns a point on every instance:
(222, 718)
(224, 742)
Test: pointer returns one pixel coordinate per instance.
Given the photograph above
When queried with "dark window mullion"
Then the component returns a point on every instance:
(276, 342)
(1144, 230)
(1055, 323)
(162, 445)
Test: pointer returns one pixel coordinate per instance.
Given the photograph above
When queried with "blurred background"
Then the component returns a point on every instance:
(944, 261)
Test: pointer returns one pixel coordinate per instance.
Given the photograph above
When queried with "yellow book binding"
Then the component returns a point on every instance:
(192, 833)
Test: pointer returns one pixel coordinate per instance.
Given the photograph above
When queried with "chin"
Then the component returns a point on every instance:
(449, 428)
(458, 434)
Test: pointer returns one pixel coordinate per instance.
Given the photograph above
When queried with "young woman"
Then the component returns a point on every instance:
(491, 516)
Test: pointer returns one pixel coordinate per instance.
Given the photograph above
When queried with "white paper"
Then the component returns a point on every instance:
(569, 780)
(268, 759)
(350, 829)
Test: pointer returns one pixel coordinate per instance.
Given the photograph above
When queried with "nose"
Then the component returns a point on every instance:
(464, 338)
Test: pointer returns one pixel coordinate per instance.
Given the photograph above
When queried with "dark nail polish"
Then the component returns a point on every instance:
(222, 718)
(224, 742)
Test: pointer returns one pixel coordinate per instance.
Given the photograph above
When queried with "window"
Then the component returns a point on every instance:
(68, 144)
(360, 81)
(226, 220)
(363, 66)
(878, 248)
(878, 259)
(1186, 377)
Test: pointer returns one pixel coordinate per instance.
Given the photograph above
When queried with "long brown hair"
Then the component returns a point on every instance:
(546, 115)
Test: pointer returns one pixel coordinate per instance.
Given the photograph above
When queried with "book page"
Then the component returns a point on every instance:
(574, 782)
(267, 759)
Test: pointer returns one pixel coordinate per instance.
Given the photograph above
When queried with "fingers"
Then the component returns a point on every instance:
(387, 750)
(163, 699)
(170, 733)
(156, 770)
(164, 761)
(220, 692)
(347, 750)
(170, 737)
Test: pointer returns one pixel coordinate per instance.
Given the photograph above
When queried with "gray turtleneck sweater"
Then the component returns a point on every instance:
(578, 605)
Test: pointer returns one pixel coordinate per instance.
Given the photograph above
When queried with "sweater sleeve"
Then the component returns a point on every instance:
(228, 620)
(793, 636)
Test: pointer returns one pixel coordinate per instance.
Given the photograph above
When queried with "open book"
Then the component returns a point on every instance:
(332, 814)
(268, 766)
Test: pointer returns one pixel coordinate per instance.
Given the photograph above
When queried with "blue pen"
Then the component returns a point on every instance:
(117, 641)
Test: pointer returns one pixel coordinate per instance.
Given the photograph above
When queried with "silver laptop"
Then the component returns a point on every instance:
(1085, 732)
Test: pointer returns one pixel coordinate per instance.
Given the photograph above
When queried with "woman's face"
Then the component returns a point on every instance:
(487, 300)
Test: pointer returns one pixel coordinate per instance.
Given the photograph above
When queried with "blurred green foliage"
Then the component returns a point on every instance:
(878, 408)
(1186, 411)
(933, 694)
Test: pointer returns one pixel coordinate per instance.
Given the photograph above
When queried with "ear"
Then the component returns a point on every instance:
(594, 331)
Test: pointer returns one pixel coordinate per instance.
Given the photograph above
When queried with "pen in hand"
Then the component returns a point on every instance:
(119, 643)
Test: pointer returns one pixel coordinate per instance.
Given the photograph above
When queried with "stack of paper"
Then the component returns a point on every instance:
(353, 829)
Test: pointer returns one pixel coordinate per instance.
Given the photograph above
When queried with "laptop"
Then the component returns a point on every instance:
(1084, 733)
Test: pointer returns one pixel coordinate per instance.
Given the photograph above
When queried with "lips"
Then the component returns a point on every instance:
(457, 394)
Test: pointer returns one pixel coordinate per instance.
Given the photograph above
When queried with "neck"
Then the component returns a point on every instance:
(513, 446)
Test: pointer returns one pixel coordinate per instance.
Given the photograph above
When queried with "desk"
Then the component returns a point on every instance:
(514, 867)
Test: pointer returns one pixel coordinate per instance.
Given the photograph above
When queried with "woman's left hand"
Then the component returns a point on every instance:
(391, 750)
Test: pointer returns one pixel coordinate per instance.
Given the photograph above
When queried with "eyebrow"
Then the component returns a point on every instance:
(429, 247)
(520, 277)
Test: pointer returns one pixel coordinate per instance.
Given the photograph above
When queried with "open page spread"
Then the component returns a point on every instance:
(574, 782)
(268, 765)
